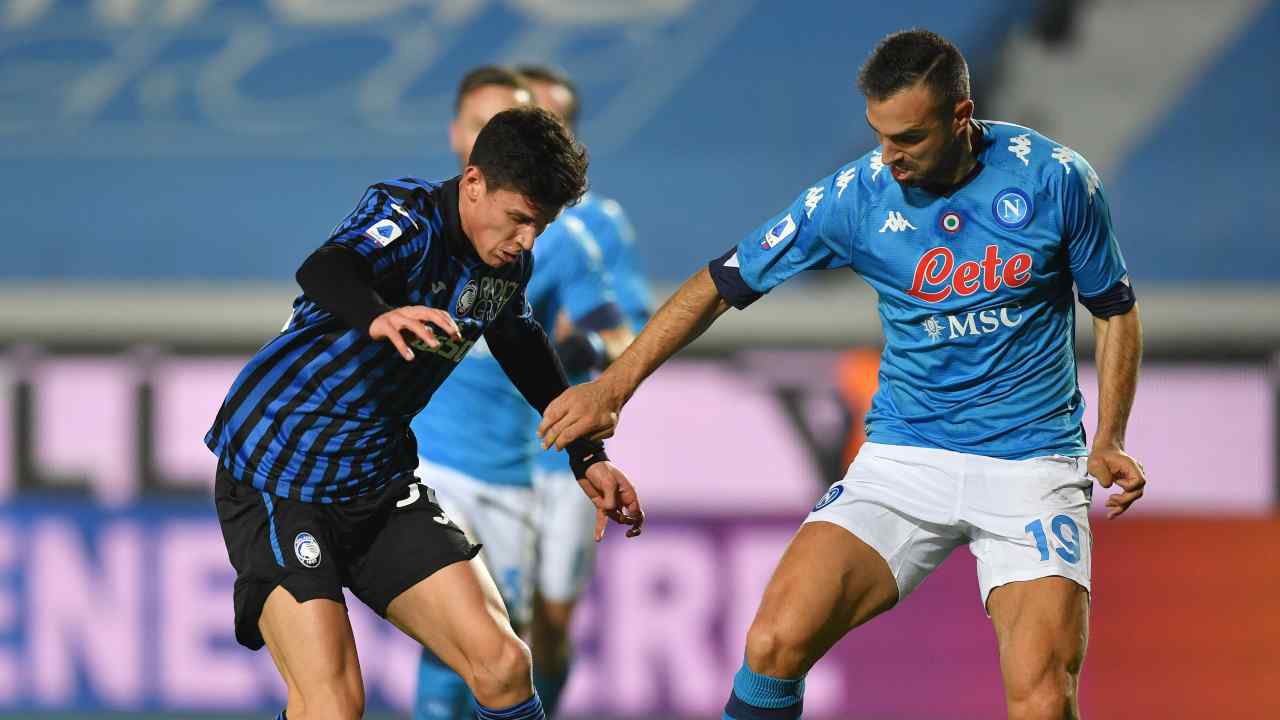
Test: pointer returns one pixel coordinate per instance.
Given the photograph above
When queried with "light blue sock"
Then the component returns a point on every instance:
(442, 693)
(530, 709)
(760, 697)
(549, 688)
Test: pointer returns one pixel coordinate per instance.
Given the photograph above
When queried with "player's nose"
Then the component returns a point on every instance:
(524, 238)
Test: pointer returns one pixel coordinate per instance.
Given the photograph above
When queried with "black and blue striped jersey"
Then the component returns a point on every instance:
(321, 413)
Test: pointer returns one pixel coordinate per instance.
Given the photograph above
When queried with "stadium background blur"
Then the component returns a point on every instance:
(167, 164)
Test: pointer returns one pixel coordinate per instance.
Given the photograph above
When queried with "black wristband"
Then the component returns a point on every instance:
(583, 454)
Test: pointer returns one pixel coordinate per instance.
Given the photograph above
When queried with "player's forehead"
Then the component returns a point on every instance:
(483, 102)
(513, 203)
(551, 96)
(913, 108)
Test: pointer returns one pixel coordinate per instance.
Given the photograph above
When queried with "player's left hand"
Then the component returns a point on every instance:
(588, 410)
(1113, 465)
(614, 496)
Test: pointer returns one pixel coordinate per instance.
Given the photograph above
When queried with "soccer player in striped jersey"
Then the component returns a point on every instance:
(978, 237)
(566, 553)
(315, 488)
(481, 464)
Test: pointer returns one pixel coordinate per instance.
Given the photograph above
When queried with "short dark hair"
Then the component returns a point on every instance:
(528, 151)
(906, 58)
(487, 75)
(551, 76)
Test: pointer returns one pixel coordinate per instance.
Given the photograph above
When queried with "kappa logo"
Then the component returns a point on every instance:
(877, 164)
(811, 200)
(779, 232)
(843, 180)
(1020, 145)
(438, 287)
(1064, 156)
(306, 549)
(896, 222)
(383, 232)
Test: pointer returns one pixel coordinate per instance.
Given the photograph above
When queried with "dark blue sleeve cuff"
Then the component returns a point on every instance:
(604, 317)
(1118, 300)
(729, 283)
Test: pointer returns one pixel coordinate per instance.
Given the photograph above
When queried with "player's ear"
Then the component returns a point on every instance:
(963, 114)
(473, 183)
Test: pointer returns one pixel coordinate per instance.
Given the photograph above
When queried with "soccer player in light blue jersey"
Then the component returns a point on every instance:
(478, 445)
(565, 520)
(973, 234)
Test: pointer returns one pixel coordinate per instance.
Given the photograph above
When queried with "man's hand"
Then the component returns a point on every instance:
(614, 497)
(1113, 465)
(588, 410)
(392, 325)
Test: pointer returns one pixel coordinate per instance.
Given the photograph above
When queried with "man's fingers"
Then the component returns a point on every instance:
(422, 332)
(602, 522)
(1103, 474)
(401, 345)
(439, 318)
(610, 492)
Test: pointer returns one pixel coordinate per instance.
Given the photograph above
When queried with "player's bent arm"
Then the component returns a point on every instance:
(1118, 355)
(340, 280)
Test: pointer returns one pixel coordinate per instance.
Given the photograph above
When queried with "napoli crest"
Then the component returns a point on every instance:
(307, 549)
(1012, 208)
(834, 492)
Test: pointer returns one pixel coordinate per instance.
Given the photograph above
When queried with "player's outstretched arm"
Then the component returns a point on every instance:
(591, 410)
(1118, 354)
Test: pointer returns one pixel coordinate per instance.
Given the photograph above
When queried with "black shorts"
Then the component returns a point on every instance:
(378, 546)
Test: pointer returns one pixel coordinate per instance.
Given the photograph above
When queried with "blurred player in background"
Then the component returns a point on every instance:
(480, 459)
(315, 488)
(565, 520)
(972, 234)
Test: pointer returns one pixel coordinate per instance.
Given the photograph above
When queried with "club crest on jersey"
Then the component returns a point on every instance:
(383, 232)
(829, 497)
(307, 549)
(466, 298)
(779, 232)
(1012, 208)
(951, 221)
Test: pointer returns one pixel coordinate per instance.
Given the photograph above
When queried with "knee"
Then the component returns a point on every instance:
(1050, 694)
(776, 650)
(504, 672)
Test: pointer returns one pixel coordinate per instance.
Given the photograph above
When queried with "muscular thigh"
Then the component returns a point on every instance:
(1041, 626)
(828, 582)
(312, 646)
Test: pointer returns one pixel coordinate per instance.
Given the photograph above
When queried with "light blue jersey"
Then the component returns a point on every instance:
(616, 237)
(477, 422)
(975, 289)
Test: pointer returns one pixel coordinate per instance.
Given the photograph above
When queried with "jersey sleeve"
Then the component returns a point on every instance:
(383, 233)
(814, 232)
(571, 276)
(1093, 251)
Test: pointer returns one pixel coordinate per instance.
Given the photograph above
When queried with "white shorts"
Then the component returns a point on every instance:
(1022, 519)
(500, 517)
(566, 522)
